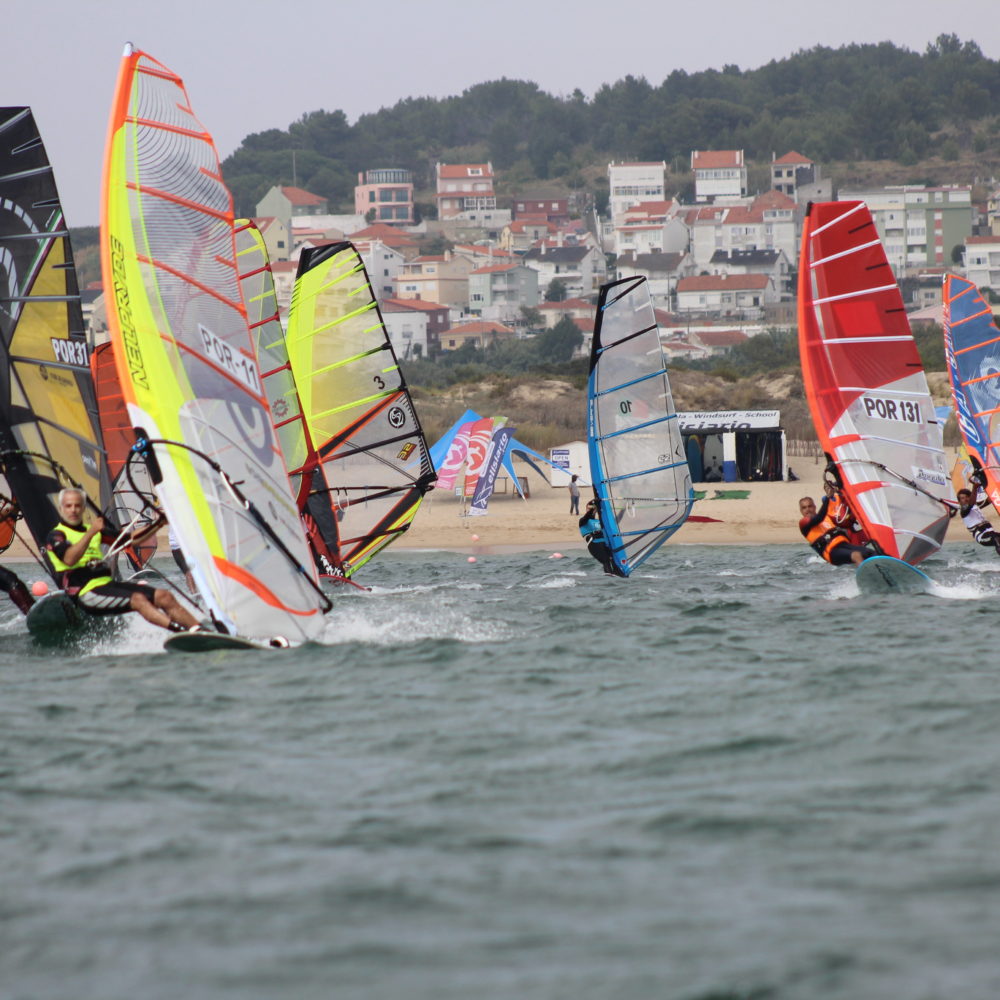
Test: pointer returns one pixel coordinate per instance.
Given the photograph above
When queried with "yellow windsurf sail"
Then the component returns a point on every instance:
(187, 364)
(364, 431)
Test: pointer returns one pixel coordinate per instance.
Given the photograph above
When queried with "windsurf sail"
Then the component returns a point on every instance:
(865, 383)
(638, 463)
(50, 436)
(361, 423)
(187, 365)
(132, 494)
(309, 485)
(972, 349)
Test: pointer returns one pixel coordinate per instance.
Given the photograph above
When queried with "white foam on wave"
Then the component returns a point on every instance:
(555, 583)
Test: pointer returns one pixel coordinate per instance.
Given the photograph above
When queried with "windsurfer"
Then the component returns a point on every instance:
(842, 515)
(593, 534)
(9, 580)
(74, 551)
(826, 537)
(969, 507)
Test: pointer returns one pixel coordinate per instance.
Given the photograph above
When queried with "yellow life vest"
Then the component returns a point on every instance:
(91, 554)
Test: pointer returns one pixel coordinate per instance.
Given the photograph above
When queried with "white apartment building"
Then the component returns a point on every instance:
(719, 175)
(632, 183)
(982, 261)
(919, 226)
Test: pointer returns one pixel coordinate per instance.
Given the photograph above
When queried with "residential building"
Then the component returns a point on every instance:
(791, 172)
(498, 291)
(276, 236)
(555, 210)
(522, 234)
(719, 175)
(773, 263)
(631, 183)
(387, 194)
(286, 202)
(581, 269)
(438, 278)
(993, 212)
(771, 221)
(435, 322)
(717, 340)
(389, 236)
(464, 189)
(480, 333)
(383, 264)
(742, 295)
(575, 309)
(919, 226)
(661, 270)
(982, 261)
(651, 227)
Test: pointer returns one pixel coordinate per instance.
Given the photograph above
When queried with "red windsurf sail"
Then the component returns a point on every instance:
(865, 383)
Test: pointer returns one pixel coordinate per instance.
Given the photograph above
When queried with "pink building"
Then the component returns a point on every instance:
(388, 193)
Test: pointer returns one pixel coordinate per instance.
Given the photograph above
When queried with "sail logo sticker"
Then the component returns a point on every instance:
(406, 451)
(70, 352)
(903, 410)
(396, 417)
(922, 475)
(126, 322)
(233, 362)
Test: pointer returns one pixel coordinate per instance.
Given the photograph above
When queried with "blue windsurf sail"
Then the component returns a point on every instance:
(637, 460)
(972, 347)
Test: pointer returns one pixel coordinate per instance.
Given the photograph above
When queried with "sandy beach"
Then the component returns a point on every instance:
(767, 515)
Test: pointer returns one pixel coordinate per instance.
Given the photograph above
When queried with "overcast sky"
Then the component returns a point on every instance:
(62, 56)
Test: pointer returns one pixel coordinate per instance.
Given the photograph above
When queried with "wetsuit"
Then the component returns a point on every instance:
(828, 539)
(16, 590)
(597, 546)
(972, 517)
(9, 580)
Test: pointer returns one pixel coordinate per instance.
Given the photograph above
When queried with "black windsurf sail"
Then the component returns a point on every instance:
(49, 429)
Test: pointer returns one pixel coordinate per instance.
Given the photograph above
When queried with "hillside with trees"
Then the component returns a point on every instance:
(933, 115)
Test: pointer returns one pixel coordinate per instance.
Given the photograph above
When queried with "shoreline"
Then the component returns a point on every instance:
(757, 513)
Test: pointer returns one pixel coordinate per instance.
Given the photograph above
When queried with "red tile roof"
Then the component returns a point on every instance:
(413, 305)
(713, 159)
(567, 304)
(721, 338)
(793, 157)
(481, 326)
(299, 196)
(494, 268)
(713, 282)
(460, 171)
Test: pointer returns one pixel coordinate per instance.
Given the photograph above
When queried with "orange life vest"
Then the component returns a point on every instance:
(824, 537)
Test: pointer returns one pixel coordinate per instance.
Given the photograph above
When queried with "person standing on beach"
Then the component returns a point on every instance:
(826, 537)
(574, 495)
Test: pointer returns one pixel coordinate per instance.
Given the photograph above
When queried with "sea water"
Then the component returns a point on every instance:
(731, 776)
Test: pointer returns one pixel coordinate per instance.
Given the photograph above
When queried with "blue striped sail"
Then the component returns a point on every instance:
(637, 461)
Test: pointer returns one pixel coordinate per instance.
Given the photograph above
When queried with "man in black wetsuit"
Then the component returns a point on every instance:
(593, 535)
(9, 580)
